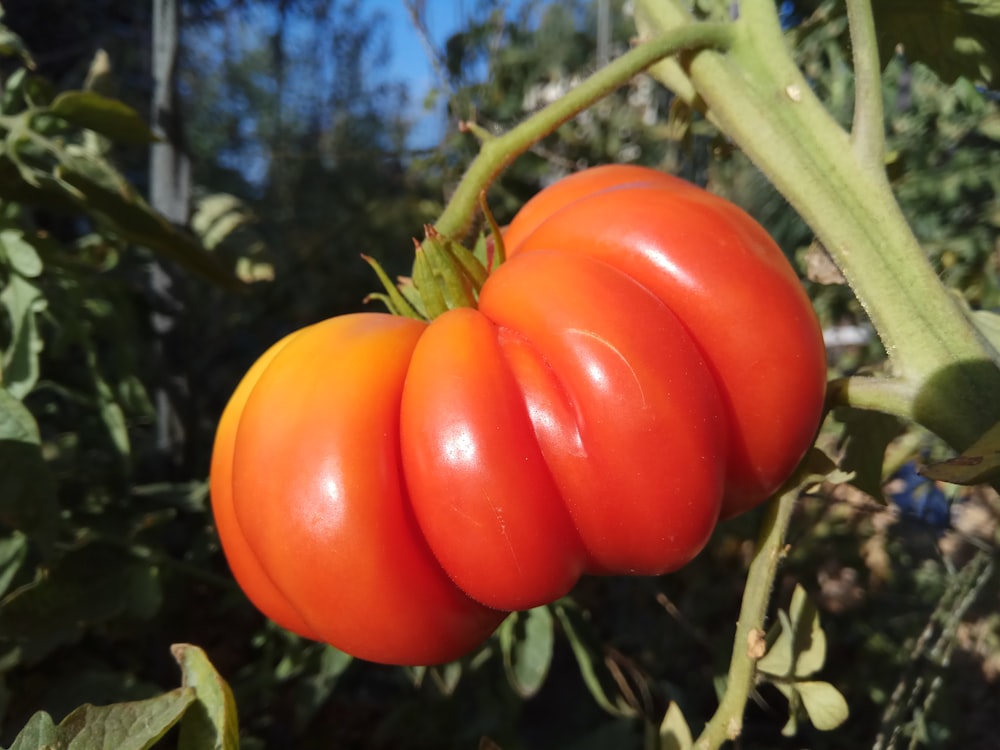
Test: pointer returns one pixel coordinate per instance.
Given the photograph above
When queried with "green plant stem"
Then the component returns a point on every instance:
(887, 395)
(498, 152)
(868, 128)
(760, 99)
(727, 722)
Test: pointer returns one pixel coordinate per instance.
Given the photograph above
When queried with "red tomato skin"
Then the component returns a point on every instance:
(480, 489)
(320, 502)
(629, 421)
(732, 288)
(582, 184)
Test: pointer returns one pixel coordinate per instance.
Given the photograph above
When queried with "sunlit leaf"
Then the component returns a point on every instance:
(102, 114)
(212, 723)
(826, 707)
(39, 732)
(136, 725)
(21, 254)
(780, 657)
(675, 734)
(797, 642)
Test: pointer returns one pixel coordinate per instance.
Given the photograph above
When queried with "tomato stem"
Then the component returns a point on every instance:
(727, 722)
(499, 151)
(868, 128)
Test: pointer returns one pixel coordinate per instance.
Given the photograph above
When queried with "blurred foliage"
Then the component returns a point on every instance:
(301, 162)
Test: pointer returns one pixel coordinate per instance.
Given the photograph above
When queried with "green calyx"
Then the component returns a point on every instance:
(445, 275)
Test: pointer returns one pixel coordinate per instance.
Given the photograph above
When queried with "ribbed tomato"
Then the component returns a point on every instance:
(644, 360)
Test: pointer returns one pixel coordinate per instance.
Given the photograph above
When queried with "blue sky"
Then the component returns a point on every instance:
(409, 61)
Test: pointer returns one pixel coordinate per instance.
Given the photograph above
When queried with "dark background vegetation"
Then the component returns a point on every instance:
(107, 550)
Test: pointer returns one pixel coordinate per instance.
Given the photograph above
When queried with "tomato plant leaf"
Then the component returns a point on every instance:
(797, 642)
(977, 464)
(217, 216)
(212, 722)
(675, 734)
(575, 626)
(526, 641)
(39, 732)
(89, 585)
(953, 37)
(23, 301)
(13, 551)
(16, 422)
(109, 117)
(791, 727)
(27, 487)
(865, 438)
(21, 253)
(11, 45)
(135, 725)
(780, 657)
(824, 704)
(319, 684)
(128, 216)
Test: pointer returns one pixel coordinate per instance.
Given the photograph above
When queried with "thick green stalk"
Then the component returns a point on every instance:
(498, 152)
(760, 99)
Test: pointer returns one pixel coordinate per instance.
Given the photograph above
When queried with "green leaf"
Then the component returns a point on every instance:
(212, 723)
(865, 438)
(136, 725)
(319, 684)
(27, 487)
(111, 413)
(675, 734)
(780, 658)
(797, 642)
(588, 658)
(21, 254)
(11, 45)
(825, 705)
(447, 676)
(526, 641)
(791, 727)
(38, 733)
(102, 114)
(953, 37)
(23, 301)
(977, 464)
(217, 216)
(13, 551)
(16, 422)
(87, 586)
(132, 219)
